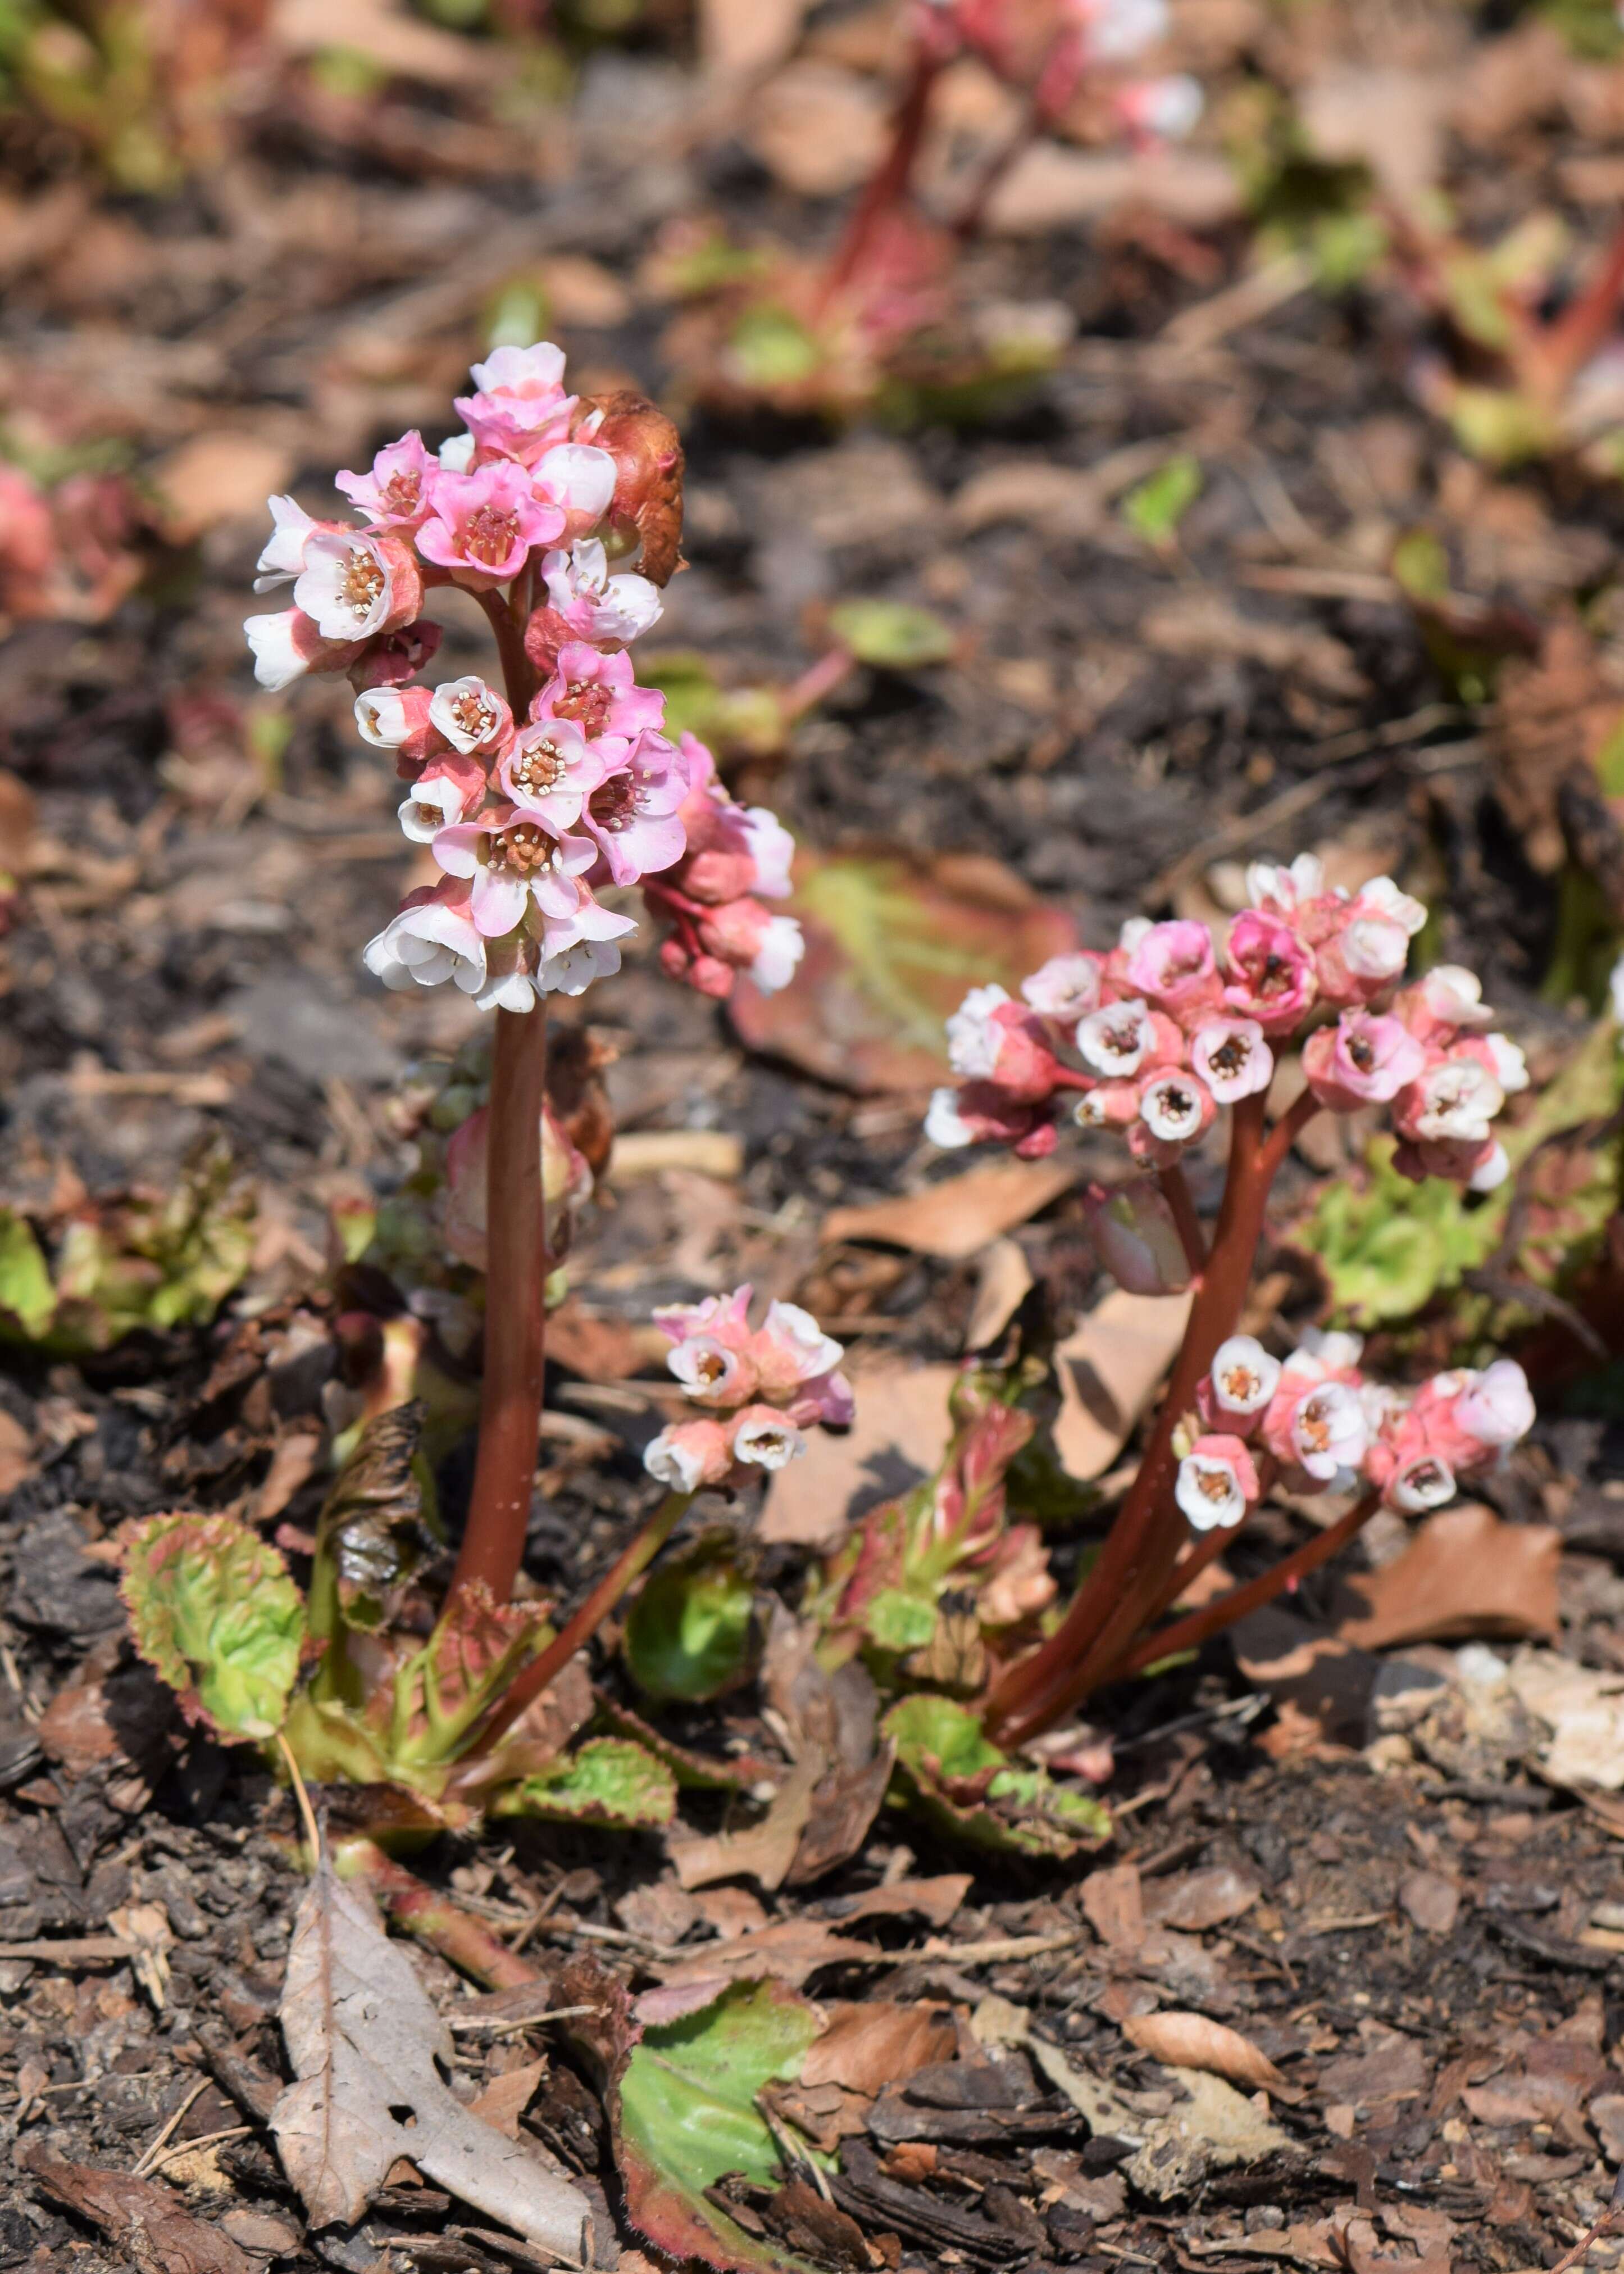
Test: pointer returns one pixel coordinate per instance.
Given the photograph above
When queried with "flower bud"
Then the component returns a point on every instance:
(647, 450)
(1136, 1237)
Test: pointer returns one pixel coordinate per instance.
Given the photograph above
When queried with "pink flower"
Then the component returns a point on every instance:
(1117, 1040)
(580, 481)
(1365, 1059)
(981, 1113)
(1112, 1105)
(395, 494)
(690, 1456)
(1453, 1100)
(354, 584)
(791, 1349)
(471, 716)
(484, 524)
(520, 406)
(633, 815)
(1322, 1428)
(1172, 965)
(1232, 1058)
(1175, 1108)
(1283, 891)
(549, 770)
(766, 1438)
(989, 1038)
(599, 694)
(1272, 973)
(1067, 987)
(1164, 109)
(510, 862)
(723, 1318)
(772, 850)
(1241, 1383)
(766, 948)
(1136, 1239)
(1217, 1482)
(394, 657)
(431, 938)
(291, 530)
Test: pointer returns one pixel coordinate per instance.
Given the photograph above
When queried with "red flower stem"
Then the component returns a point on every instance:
(1560, 350)
(890, 180)
(1114, 1602)
(1193, 1629)
(1039, 113)
(542, 1671)
(515, 1274)
(432, 1918)
(1176, 1191)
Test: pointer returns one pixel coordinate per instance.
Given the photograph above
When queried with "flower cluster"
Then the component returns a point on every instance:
(1154, 1036)
(763, 1388)
(1051, 47)
(529, 820)
(1315, 1422)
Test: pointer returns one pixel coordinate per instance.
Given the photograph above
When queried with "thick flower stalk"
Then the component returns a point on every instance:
(1155, 1040)
(542, 802)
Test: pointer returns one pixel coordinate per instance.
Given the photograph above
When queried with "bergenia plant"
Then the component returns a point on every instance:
(551, 801)
(1155, 1040)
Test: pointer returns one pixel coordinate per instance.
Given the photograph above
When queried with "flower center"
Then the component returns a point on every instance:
(614, 806)
(587, 702)
(1314, 1425)
(537, 768)
(1362, 1050)
(474, 716)
(711, 1367)
(1231, 1055)
(490, 534)
(1214, 1485)
(1240, 1385)
(1122, 1042)
(1176, 1105)
(402, 492)
(523, 848)
(363, 585)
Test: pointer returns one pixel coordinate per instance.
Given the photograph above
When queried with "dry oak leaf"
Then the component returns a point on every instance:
(1553, 717)
(958, 1217)
(867, 2046)
(1190, 2041)
(364, 2039)
(1465, 1573)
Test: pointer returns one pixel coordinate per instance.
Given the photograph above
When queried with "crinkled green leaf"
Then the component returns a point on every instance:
(900, 1619)
(607, 1780)
(687, 2113)
(692, 1632)
(694, 1772)
(745, 719)
(1154, 507)
(953, 1774)
(25, 1290)
(892, 635)
(213, 1609)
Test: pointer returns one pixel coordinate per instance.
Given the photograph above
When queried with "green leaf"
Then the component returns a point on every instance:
(950, 1772)
(213, 1609)
(900, 1620)
(768, 348)
(1156, 506)
(25, 1290)
(687, 2113)
(692, 1634)
(892, 635)
(607, 1780)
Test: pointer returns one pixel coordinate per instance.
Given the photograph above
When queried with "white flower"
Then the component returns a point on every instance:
(1134, 930)
(1383, 896)
(425, 944)
(514, 989)
(1328, 1430)
(433, 804)
(770, 1443)
(1243, 1377)
(772, 850)
(706, 1368)
(943, 1125)
(572, 970)
(974, 1038)
(345, 586)
(1171, 1107)
(1375, 947)
(1458, 1099)
(1330, 1348)
(676, 1465)
(457, 456)
(1497, 1406)
(1284, 889)
(466, 711)
(1209, 1492)
(594, 604)
(1168, 108)
(1423, 1483)
(278, 658)
(1118, 29)
(283, 556)
(1117, 1040)
(797, 1338)
(782, 945)
(1615, 989)
(1510, 1063)
(381, 718)
(1067, 987)
(1491, 1172)
(1232, 1058)
(1454, 996)
(577, 477)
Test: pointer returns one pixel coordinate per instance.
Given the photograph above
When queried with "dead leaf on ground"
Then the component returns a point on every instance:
(789, 1951)
(1190, 2041)
(1114, 1905)
(936, 1900)
(1194, 1901)
(505, 2097)
(867, 2046)
(1004, 1281)
(222, 475)
(892, 946)
(1049, 188)
(738, 38)
(140, 2218)
(364, 2039)
(818, 129)
(1202, 624)
(958, 1216)
(762, 1852)
(1583, 1708)
(898, 1438)
(1431, 1901)
(1551, 717)
(1392, 120)
(1465, 1573)
(1108, 1369)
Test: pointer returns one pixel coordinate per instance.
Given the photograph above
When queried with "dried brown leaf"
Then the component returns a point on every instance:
(1465, 1573)
(867, 2046)
(140, 2217)
(958, 1216)
(1108, 1369)
(1192, 2041)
